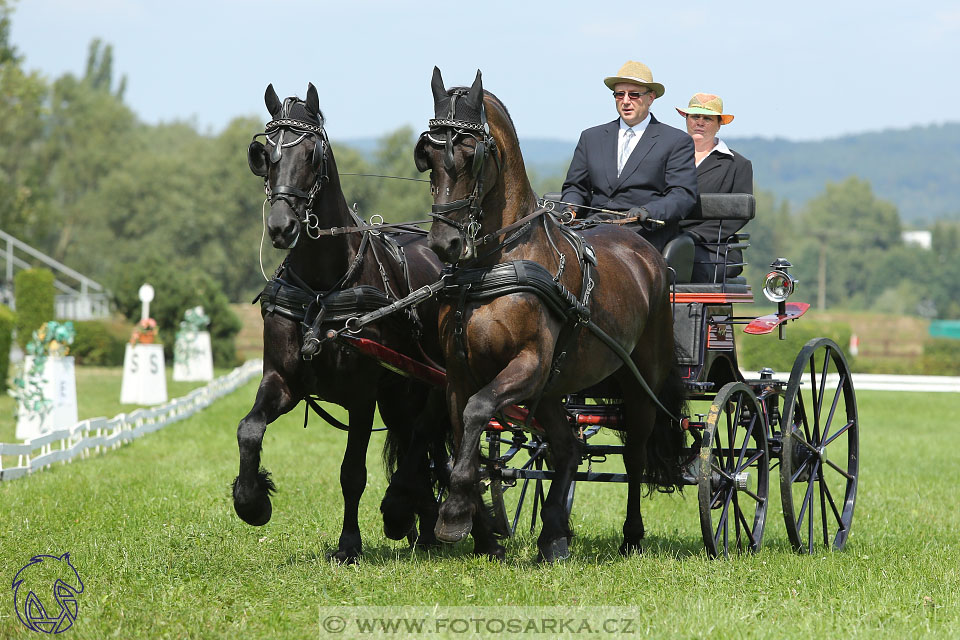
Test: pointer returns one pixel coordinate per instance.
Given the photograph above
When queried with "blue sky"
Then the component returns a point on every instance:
(798, 70)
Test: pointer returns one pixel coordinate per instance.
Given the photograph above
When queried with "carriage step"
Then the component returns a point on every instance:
(547, 474)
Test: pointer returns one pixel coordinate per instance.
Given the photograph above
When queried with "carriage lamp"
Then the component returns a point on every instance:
(779, 284)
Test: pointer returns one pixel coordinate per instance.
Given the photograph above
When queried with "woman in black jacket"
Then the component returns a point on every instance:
(719, 170)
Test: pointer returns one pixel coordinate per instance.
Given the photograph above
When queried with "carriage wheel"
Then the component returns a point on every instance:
(821, 448)
(734, 475)
(506, 501)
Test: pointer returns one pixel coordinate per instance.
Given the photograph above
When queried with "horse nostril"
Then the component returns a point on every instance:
(454, 251)
(290, 228)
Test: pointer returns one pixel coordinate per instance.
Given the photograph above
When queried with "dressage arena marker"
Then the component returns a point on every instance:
(197, 366)
(144, 380)
(100, 434)
(59, 385)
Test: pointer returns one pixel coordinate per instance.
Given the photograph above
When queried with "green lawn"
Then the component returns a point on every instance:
(151, 530)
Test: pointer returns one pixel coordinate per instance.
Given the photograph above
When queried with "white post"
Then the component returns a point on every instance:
(146, 296)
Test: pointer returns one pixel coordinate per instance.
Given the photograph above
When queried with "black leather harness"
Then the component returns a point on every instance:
(525, 276)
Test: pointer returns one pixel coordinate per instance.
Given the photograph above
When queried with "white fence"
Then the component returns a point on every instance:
(101, 434)
(883, 382)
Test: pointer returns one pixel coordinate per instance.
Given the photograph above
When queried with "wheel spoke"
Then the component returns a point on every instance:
(801, 409)
(755, 497)
(722, 522)
(747, 527)
(756, 456)
(823, 511)
(723, 473)
(825, 488)
(842, 472)
(523, 493)
(746, 443)
(813, 387)
(833, 409)
(819, 401)
(806, 499)
(812, 449)
(796, 474)
(839, 433)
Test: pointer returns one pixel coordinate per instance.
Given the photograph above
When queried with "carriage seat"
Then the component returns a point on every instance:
(726, 206)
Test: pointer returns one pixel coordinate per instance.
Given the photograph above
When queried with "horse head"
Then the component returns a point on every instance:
(293, 162)
(460, 150)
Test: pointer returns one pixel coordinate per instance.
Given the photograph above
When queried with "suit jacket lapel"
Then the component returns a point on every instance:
(647, 142)
(710, 163)
(608, 150)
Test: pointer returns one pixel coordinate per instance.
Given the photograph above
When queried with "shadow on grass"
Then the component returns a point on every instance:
(384, 554)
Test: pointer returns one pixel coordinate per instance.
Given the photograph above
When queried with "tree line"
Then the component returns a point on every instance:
(84, 180)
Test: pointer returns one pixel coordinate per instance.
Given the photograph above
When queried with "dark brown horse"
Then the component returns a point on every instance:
(502, 350)
(324, 279)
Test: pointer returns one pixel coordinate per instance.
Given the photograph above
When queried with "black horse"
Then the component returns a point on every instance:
(324, 279)
(533, 313)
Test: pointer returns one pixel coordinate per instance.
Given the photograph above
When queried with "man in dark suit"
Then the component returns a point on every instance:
(636, 164)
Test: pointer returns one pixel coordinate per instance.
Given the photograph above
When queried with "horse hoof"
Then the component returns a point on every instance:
(630, 548)
(451, 533)
(341, 556)
(398, 529)
(256, 513)
(554, 551)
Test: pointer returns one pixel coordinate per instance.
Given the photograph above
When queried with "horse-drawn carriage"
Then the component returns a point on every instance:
(805, 427)
(553, 336)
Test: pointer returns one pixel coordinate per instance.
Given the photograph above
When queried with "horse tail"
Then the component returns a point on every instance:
(664, 451)
(426, 433)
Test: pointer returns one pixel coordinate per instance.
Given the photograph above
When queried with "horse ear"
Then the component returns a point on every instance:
(313, 101)
(439, 89)
(272, 101)
(475, 97)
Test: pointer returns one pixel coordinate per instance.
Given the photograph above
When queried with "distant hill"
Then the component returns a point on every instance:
(918, 169)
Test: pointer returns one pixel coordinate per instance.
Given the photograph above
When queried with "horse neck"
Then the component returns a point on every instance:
(513, 198)
(321, 262)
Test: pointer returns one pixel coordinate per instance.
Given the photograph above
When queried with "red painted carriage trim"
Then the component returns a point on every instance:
(712, 298)
(396, 361)
(592, 420)
(766, 324)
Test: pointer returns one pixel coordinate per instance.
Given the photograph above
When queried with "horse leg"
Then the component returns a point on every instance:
(252, 486)
(353, 479)
(516, 382)
(555, 535)
(410, 493)
(639, 415)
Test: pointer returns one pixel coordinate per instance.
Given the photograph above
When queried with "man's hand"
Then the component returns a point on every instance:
(639, 213)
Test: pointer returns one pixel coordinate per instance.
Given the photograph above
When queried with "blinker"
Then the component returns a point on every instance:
(257, 158)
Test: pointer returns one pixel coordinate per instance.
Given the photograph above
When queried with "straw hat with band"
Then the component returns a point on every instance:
(635, 73)
(706, 104)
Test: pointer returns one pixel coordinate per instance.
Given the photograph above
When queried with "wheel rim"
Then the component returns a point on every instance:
(821, 451)
(733, 480)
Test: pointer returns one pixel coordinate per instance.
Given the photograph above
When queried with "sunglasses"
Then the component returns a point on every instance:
(634, 95)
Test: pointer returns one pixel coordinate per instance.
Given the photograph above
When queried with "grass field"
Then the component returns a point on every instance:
(151, 530)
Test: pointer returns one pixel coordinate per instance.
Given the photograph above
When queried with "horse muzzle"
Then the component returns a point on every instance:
(283, 226)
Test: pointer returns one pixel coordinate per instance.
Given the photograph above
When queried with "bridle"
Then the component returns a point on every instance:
(450, 129)
(300, 201)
